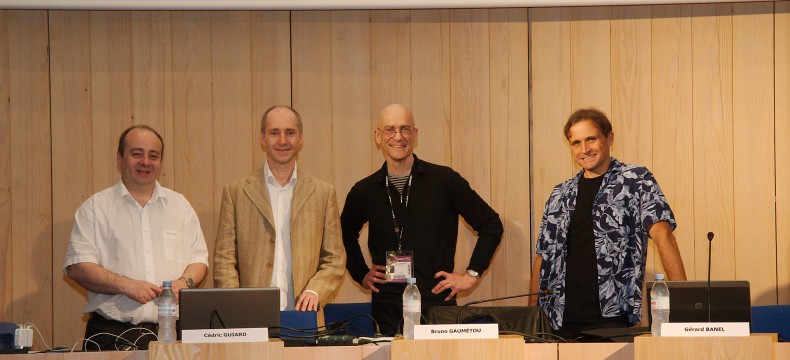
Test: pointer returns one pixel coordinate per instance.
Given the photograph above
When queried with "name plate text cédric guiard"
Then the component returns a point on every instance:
(224, 335)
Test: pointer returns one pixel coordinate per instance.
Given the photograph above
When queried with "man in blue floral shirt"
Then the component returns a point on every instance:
(592, 243)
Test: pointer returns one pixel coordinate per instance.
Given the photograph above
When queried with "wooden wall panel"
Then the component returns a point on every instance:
(390, 69)
(782, 153)
(271, 69)
(713, 130)
(499, 99)
(111, 90)
(6, 267)
(231, 98)
(311, 88)
(753, 148)
(510, 153)
(30, 163)
(351, 110)
(72, 156)
(193, 163)
(671, 95)
(631, 84)
(151, 51)
(430, 84)
(471, 119)
(590, 49)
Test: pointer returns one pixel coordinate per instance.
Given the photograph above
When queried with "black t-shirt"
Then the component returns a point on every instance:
(581, 277)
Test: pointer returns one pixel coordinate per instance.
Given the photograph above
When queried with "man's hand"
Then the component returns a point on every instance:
(96, 278)
(375, 276)
(307, 301)
(179, 284)
(139, 290)
(454, 282)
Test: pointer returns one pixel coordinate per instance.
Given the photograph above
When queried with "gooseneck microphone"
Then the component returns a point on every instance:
(538, 293)
(710, 242)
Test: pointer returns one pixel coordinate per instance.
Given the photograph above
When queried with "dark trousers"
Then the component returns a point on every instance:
(387, 309)
(102, 334)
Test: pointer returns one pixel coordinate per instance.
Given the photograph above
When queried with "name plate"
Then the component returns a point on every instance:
(224, 335)
(705, 329)
(456, 331)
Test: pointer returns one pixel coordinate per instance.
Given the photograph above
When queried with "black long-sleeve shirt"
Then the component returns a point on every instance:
(436, 198)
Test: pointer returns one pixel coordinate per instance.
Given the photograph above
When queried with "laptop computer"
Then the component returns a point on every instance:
(730, 301)
(229, 308)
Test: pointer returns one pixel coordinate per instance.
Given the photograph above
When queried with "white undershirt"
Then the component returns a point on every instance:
(280, 198)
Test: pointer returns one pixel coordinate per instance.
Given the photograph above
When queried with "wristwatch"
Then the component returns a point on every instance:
(189, 281)
(473, 273)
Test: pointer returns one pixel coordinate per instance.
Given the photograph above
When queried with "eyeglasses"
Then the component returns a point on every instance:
(404, 131)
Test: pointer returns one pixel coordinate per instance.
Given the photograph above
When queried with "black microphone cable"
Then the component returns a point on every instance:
(464, 306)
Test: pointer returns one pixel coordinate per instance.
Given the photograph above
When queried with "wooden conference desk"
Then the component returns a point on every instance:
(552, 351)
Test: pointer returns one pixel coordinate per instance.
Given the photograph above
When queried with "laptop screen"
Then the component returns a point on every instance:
(730, 301)
(229, 308)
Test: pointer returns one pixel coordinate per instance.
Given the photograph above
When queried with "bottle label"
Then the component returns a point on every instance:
(168, 310)
(659, 303)
(411, 306)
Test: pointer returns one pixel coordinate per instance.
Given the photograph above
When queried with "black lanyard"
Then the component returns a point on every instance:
(398, 230)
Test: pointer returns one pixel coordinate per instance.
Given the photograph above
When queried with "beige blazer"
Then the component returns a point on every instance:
(244, 250)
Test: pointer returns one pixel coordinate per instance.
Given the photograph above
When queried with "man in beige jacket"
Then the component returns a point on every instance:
(280, 227)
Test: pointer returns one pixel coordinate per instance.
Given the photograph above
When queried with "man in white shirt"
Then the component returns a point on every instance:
(280, 227)
(127, 240)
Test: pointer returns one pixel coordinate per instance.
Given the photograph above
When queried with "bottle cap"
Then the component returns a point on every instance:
(167, 284)
(411, 280)
(659, 277)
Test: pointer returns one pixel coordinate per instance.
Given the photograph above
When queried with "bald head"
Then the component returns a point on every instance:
(395, 113)
(396, 136)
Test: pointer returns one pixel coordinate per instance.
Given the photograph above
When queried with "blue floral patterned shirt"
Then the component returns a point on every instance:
(627, 204)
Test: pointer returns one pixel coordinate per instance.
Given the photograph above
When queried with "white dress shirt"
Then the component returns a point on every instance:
(154, 243)
(280, 198)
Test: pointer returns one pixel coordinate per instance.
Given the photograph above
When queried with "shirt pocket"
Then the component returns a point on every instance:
(173, 245)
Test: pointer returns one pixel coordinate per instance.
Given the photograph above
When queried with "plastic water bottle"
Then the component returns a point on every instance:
(412, 308)
(168, 310)
(659, 304)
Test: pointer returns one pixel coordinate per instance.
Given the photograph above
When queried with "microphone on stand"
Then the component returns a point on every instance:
(538, 293)
(710, 242)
